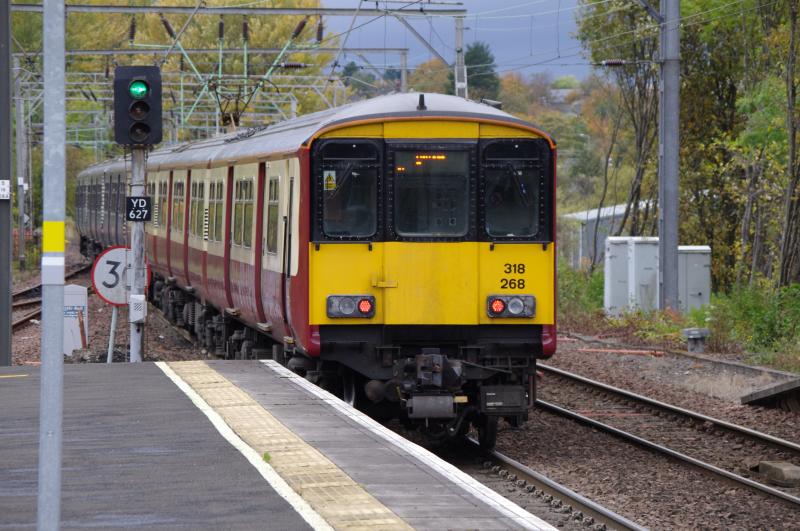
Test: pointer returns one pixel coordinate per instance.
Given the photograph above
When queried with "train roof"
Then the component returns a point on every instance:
(287, 137)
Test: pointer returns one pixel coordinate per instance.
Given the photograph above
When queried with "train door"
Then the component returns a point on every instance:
(430, 260)
(216, 240)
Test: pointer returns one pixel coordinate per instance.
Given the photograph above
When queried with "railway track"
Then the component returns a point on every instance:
(31, 296)
(581, 511)
(719, 447)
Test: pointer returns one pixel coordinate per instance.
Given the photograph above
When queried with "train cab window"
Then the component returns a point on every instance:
(514, 175)
(349, 183)
(431, 190)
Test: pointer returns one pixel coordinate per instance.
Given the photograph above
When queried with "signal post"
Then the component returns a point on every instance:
(137, 123)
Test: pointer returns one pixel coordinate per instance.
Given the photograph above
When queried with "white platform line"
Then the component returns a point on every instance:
(483, 493)
(305, 511)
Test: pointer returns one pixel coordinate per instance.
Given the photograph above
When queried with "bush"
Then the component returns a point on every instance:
(760, 318)
(580, 295)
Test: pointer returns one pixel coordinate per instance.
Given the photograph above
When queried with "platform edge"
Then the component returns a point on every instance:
(306, 512)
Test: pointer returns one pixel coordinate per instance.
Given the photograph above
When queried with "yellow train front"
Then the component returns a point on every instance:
(431, 262)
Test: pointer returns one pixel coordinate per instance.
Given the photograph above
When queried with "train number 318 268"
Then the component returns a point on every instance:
(513, 283)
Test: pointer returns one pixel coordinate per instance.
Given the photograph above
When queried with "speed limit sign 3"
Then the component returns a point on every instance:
(110, 275)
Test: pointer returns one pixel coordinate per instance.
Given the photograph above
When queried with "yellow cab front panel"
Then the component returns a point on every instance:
(447, 275)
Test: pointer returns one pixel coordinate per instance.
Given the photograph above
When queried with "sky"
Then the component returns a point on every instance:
(525, 36)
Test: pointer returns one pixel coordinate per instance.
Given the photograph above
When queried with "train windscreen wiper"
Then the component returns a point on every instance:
(339, 185)
(512, 170)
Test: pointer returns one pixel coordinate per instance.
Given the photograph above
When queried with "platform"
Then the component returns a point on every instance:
(228, 444)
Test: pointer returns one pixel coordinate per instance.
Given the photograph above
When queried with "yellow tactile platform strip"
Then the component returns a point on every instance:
(342, 502)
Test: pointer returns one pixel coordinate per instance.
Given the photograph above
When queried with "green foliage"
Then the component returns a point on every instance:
(566, 82)
(659, 328)
(362, 82)
(764, 111)
(580, 294)
(266, 457)
(430, 76)
(482, 77)
(760, 317)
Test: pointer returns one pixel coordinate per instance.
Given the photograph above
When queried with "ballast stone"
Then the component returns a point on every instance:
(781, 473)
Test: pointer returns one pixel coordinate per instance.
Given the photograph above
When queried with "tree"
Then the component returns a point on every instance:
(790, 244)
(430, 76)
(605, 28)
(363, 83)
(482, 79)
(515, 94)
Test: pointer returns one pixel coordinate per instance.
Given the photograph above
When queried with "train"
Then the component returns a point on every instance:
(398, 251)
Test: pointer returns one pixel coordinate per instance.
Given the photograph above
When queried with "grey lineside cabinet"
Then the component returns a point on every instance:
(631, 275)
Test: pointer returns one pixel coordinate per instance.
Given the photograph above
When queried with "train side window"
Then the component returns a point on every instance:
(196, 209)
(215, 212)
(200, 200)
(348, 181)
(243, 212)
(272, 214)
(178, 191)
(162, 197)
(514, 182)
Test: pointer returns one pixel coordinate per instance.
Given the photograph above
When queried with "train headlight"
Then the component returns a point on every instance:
(516, 306)
(511, 306)
(340, 306)
(347, 306)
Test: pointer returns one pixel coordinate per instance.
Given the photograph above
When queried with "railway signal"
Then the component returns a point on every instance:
(137, 123)
(137, 105)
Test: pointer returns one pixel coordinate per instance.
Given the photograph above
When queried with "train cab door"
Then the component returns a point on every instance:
(431, 255)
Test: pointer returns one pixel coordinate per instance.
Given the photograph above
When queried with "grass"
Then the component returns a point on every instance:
(760, 321)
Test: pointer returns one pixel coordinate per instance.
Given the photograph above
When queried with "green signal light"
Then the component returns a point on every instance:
(138, 89)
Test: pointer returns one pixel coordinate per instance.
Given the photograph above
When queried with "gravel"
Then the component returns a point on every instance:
(644, 487)
(682, 382)
(162, 341)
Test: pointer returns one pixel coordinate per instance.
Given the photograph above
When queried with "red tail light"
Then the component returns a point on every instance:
(365, 306)
(498, 306)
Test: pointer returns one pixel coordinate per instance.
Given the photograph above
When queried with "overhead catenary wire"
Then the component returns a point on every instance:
(629, 41)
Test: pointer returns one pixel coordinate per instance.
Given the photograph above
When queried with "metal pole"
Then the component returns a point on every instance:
(5, 183)
(21, 156)
(54, 192)
(461, 68)
(137, 248)
(669, 147)
(112, 337)
(403, 71)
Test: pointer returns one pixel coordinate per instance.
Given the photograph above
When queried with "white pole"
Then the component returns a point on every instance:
(112, 337)
(51, 402)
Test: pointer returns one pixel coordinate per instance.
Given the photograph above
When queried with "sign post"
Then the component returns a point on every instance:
(112, 283)
(137, 301)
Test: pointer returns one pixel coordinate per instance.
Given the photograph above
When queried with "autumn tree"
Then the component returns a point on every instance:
(430, 76)
(619, 30)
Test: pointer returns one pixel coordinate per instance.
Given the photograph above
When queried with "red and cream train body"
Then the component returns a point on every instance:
(399, 250)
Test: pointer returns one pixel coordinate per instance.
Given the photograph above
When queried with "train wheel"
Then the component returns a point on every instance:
(350, 388)
(487, 432)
